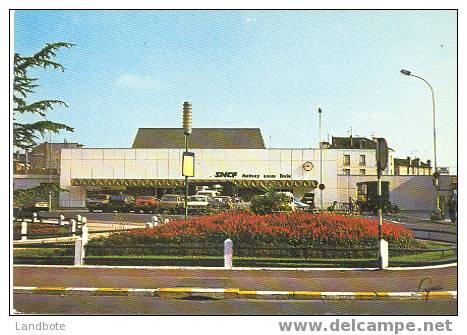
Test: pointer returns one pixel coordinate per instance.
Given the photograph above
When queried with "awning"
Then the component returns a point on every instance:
(181, 182)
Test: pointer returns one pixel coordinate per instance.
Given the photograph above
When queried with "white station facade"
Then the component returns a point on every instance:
(240, 171)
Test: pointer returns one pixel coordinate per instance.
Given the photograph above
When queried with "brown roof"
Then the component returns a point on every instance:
(201, 138)
(416, 162)
(352, 143)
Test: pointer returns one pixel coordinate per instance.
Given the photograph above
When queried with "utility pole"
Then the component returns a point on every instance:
(320, 161)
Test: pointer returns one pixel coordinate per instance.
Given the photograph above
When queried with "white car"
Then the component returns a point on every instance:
(198, 203)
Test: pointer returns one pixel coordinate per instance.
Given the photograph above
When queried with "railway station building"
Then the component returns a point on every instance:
(236, 160)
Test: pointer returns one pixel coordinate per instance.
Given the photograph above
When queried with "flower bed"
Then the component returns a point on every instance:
(38, 230)
(310, 231)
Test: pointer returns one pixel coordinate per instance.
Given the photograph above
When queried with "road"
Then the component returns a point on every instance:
(85, 305)
(277, 280)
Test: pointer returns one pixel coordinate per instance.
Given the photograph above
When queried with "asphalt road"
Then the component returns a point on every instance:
(445, 279)
(86, 305)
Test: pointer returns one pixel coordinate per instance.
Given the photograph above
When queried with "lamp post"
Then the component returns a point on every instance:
(435, 173)
(50, 170)
(187, 117)
(320, 162)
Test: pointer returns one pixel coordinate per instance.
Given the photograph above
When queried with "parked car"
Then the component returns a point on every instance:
(146, 203)
(222, 203)
(209, 193)
(198, 203)
(172, 203)
(309, 199)
(367, 197)
(98, 202)
(300, 206)
(36, 205)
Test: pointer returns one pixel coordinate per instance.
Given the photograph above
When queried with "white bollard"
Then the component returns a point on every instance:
(73, 227)
(34, 217)
(166, 221)
(24, 231)
(61, 220)
(84, 221)
(383, 254)
(148, 225)
(85, 234)
(154, 221)
(79, 252)
(228, 253)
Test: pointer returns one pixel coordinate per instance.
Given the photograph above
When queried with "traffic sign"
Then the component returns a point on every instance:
(381, 153)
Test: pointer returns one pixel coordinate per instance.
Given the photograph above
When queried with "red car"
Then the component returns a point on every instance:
(146, 203)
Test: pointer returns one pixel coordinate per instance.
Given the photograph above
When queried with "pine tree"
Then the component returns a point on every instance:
(26, 134)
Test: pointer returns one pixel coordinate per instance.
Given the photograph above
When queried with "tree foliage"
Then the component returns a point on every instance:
(26, 134)
(270, 202)
(23, 197)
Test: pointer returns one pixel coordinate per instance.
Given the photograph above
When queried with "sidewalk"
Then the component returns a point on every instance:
(420, 216)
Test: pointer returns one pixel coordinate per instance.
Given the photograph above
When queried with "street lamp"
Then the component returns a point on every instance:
(320, 163)
(435, 174)
(187, 117)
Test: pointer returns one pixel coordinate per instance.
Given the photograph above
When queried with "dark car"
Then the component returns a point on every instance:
(98, 202)
(367, 197)
(172, 203)
(309, 199)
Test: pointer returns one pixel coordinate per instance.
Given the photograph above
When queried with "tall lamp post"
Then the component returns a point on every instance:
(435, 173)
(49, 158)
(320, 162)
(187, 117)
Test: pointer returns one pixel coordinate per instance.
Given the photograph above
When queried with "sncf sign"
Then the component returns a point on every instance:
(226, 174)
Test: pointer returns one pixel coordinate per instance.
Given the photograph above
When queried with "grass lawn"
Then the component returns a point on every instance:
(54, 255)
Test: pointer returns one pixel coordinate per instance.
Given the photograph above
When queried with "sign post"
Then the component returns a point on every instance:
(187, 117)
(381, 162)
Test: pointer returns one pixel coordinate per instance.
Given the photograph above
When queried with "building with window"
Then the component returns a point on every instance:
(412, 167)
(358, 156)
(237, 161)
(45, 157)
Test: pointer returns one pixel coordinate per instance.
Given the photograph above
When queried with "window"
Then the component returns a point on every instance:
(362, 172)
(346, 159)
(346, 172)
(362, 160)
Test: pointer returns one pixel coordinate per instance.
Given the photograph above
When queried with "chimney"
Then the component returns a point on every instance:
(428, 162)
(351, 142)
(408, 164)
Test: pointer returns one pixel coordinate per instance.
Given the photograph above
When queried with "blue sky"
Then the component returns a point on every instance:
(266, 69)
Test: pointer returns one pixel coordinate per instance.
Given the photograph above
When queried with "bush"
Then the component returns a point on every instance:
(271, 202)
(37, 230)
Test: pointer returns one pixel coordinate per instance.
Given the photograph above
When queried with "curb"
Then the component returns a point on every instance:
(424, 267)
(233, 293)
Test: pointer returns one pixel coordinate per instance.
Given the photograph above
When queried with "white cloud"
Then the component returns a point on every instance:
(136, 82)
